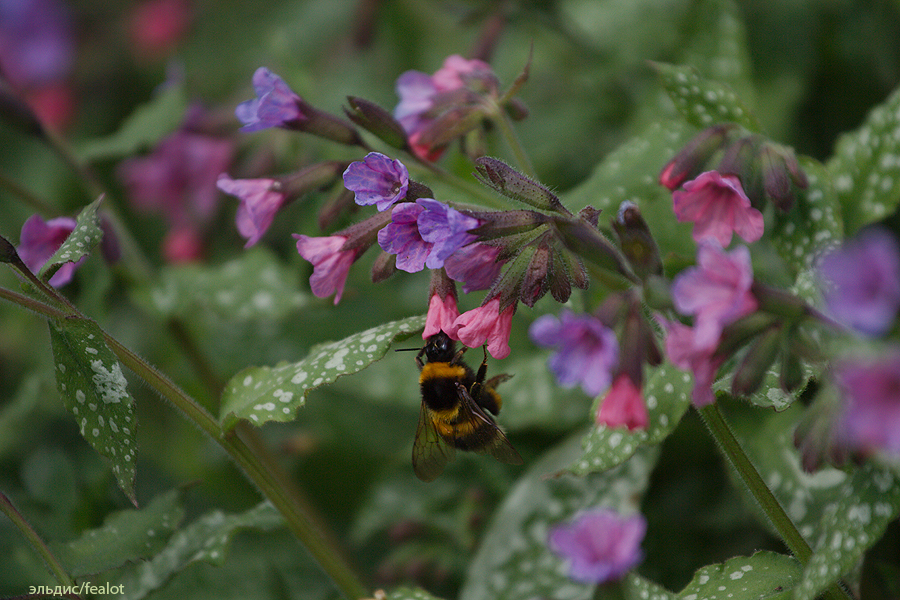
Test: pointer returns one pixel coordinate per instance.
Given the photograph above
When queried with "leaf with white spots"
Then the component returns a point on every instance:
(262, 394)
(667, 392)
(255, 285)
(125, 536)
(810, 226)
(636, 587)
(79, 243)
(514, 561)
(206, 539)
(703, 102)
(763, 575)
(93, 388)
(404, 593)
(865, 166)
(869, 502)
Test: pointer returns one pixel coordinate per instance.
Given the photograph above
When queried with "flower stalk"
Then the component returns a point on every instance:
(59, 572)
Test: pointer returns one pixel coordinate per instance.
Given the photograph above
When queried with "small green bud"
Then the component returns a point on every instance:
(377, 120)
(384, 266)
(636, 241)
(588, 243)
(508, 182)
(760, 356)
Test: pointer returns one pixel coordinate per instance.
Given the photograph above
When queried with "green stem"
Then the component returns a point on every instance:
(483, 196)
(59, 572)
(51, 312)
(512, 138)
(28, 198)
(725, 439)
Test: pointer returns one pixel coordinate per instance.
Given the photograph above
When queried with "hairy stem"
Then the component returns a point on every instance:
(59, 572)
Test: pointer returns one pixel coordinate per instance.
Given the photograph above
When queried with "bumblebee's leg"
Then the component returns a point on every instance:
(475, 392)
(419, 362)
(457, 358)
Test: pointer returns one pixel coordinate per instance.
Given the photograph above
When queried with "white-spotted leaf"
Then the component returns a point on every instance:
(125, 536)
(667, 393)
(81, 241)
(870, 501)
(763, 575)
(703, 102)
(206, 539)
(636, 587)
(514, 560)
(93, 388)
(865, 166)
(404, 593)
(261, 394)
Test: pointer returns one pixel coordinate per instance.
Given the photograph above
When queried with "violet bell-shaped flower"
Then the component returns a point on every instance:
(599, 545)
(377, 180)
(870, 419)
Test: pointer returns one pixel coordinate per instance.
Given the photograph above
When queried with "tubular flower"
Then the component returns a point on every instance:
(474, 265)
(260, 200)
(718, 207)
(485, 325)
(716, 291)
(442, 313)
(623, 406)
(401, 237)
(684, 352)
(863, 281)
(600, 545)
(377, 180)
(39, 240)
(446, 229)
(587, 350)
(330, 264)
(275, 105)
(870, 420)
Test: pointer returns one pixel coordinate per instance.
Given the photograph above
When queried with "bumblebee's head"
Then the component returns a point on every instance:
(440, 348)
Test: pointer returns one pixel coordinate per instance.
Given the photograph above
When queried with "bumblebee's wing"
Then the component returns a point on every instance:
(430, 453)
(492, 440)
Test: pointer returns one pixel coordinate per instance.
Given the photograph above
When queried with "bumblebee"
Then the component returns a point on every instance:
(455, 405)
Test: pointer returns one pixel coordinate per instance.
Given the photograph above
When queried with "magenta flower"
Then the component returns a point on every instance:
(275, 105)
(718, 207)
(716, 291)
(623, 406)
(330, 264)
(684, 352)
(586, 350)
(401, 237)
(871, 416)
(442, 313)
(39, 240)
(260, 200)
(474, 265)
(600, 545)
(863, 281)
(36, 42)
(485, 325)
(377, 180)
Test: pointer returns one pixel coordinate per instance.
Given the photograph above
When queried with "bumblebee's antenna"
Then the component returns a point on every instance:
(406, 349)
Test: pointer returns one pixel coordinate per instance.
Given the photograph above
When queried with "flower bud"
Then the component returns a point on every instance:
(380, 122)
(567, 271)
(743, 330)
(791, 376)
(756, 363)
(8, 252)
(508, 182)
(504, 223)
(588, 243)
(334, 207)
(693, 158)
(538, 274)
(781, 175)
(418, 190)
(328, 126)
(779, 302)
(636, 241)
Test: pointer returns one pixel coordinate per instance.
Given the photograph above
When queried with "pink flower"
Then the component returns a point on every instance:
(260, 200)
(684, 352)
(718, 207)
(623, 406)
(442, 313)
(716, 291)
(600, 545)
(485, 325)
(157, 26)
(330, 264)
(39, 240)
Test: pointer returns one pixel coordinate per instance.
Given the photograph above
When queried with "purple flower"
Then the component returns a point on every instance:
(600, 545)
(586, 352)
(39, 240)
(331, 264)
(424, 234)
(276, 105)
(683, 351)
(36, 46)
(377, 180)
(718, 207)
(260, 200)
(716, 291)
(871, 417)
(864, 278)
(474, 265)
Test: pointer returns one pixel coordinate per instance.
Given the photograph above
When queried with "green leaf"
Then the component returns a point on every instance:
(92, 386)
(255, 285)
(206, 539)
(404, 593)
(636, 587)
(667, 393)
(513, 560)
(703, 102)
(262, 394)
(143, 128)
(80, 242)
(763, 575)
(870, 501)
(865, 167)
(125, 536)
